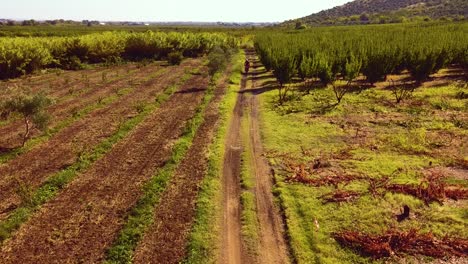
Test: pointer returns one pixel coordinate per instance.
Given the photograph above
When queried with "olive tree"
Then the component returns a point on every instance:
(32, 111)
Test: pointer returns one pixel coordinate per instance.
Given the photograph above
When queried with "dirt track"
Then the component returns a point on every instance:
(82, 221)
(272, 246)
(165, 242)
(232, 251)
(33, 167)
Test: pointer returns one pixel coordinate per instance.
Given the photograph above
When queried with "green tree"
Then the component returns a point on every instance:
(32, 110)
(351, 71)
(284, 69)
(217, 60)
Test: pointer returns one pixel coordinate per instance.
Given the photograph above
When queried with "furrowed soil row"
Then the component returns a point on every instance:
(59, 90)
(66, 147)
(74, 115)
(58, 84)
(83, 220)
(59, 112)
(165, 241)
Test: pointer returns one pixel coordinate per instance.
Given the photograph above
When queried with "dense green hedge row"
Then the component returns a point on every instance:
(374, 51)
(20, 56)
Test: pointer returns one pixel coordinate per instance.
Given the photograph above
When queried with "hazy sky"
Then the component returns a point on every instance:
(164, 10)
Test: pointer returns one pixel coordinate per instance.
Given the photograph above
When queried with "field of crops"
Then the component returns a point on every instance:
(19, 56)
(340, 145)
(375, 52)
(366, 129)
(89, 181)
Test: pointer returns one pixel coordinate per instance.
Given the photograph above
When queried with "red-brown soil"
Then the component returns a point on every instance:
(165, 241)
(232, 251)
(272, 247)
(63, 109)
(57, 85)
(33, 168)
(82, 221)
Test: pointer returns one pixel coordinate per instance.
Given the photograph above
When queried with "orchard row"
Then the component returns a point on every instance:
(19, 56)
(329, 54)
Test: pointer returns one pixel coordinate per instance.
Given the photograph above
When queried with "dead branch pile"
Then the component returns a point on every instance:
(301, 174)
(395, 242)
(340, 196)
(432, 189)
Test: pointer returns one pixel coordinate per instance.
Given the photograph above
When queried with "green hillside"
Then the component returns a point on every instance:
(389, 11)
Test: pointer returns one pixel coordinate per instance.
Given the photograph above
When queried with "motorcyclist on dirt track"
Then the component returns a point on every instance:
(246, 66)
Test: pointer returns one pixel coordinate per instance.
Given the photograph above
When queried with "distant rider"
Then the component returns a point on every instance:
(247, 66)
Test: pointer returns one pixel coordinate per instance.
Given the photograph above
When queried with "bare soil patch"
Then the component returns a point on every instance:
(165, 241)
(63, 109)
(232, 249)
(82, 221)
(33, 168)
(273, 247)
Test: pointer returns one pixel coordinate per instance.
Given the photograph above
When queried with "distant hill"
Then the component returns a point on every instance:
(389, 11)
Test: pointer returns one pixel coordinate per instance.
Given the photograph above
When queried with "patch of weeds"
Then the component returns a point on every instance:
(139, 107)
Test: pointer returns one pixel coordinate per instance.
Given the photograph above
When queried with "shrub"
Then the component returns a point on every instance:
(175, 58)
(217, 60)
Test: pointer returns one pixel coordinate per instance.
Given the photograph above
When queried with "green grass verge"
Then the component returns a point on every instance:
(141, 216)
(101, 103)
(59, 180)
(204, 240)
(400, 141)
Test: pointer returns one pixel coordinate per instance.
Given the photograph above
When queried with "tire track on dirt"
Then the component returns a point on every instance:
(232, 250)
(33, 168)
(82, 221)
(165, 241)
(272, 247)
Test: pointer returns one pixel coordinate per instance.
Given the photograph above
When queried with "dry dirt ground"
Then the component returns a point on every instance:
(82, 221)
(33, 168)
(165, 241)
(272, 245)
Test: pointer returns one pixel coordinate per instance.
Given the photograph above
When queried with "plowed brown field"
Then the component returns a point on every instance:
(82, 221)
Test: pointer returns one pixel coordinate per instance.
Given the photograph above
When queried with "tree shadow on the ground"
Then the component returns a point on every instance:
(5, 150)
(323, 109)
(191, 90)
(258, 77)
(267, 86)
